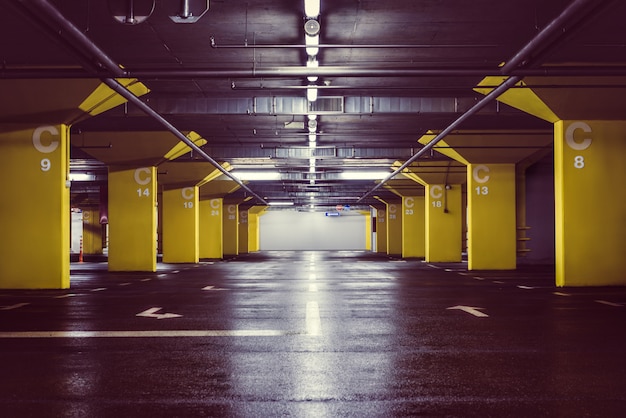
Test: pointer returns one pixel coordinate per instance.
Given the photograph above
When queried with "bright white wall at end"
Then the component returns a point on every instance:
(311, 231)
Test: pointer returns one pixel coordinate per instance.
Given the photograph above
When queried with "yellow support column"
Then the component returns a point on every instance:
(590, 203)
(132, 219)
(381, 231)
(491, 234)
(231, 233)
(211, 229)
(254, 227)
(413, 227)
(180, 225)
(368, 229)
(92, 232)
(243, 231)
(394, 229)
(443, 223)
(34, 207)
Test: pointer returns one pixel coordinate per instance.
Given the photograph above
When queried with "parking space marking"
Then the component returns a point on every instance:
(561, 294)
(143, 334)
(313, 321)
(16, 306)
(67, 295)
(99, 289)
(606, 302)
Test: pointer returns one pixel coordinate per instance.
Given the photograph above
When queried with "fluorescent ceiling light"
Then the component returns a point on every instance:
(81, 177)
(312, 64)
(311, 94)
(312, 8)
(257, 175)
(312, 137)
(312, 117)
(312, 44)
(279, 203)
(363, 175)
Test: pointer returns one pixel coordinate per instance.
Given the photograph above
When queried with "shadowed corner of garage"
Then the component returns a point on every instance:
(315, 208)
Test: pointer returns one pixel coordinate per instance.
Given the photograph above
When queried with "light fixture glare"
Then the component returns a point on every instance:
(312, 8)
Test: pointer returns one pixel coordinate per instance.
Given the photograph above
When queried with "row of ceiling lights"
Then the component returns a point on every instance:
(312, 42)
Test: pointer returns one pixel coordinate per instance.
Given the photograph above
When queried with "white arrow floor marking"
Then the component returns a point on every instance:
(17, 305)
(152, 313)
(212, 288)
(470, 310)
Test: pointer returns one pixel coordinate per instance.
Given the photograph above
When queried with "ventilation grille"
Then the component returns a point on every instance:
(327, 105)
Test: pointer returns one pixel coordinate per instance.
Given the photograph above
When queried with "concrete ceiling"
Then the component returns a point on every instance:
(389, 73)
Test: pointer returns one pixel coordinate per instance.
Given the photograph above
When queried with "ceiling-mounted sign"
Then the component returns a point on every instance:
(131, 12)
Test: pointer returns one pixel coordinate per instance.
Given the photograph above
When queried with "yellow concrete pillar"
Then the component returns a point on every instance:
(491, 235)
(132, 219)
(368, 229)
(34, 207)
(381, 230)
(231, 226)
(211, 228)
(590, 203)
(394, 229)
(413, 227)
(243, 230)
(180, 225)
(443, 223)
(92, 232)
(253, 232)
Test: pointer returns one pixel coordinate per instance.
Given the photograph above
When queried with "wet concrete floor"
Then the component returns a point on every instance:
(313, 334)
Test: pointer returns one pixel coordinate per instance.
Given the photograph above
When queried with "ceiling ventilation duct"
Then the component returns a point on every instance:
(327, 105)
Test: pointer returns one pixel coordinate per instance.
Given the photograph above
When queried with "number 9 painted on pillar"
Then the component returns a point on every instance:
(45, 163)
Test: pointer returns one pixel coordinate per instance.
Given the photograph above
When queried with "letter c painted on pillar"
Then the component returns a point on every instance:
(215, 203)
(409, 202)
(476, 175)
(231, 209)
(187, 193)
(436, 192)
(45, 149)
(569, 136)
(138, 178)
(391, 209)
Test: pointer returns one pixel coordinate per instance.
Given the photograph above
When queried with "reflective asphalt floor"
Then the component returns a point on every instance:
(313, 334)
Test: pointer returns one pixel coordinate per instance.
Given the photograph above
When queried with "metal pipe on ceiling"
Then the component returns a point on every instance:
(570, 15)
(297, 71)
(92, 51)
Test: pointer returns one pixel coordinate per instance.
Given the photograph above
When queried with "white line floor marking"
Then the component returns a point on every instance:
(68, 295)
(99, 289)
(16, 306)
(479, 278)
(606, 302)
(144, 334)
(124, 284)
(313, 321)
(561, 294)
(146, 280)
(525, 287)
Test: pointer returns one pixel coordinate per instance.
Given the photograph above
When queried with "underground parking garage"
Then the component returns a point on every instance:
(335, 209)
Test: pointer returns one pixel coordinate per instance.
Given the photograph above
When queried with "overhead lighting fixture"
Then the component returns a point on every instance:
(257, 175)
(312, 137)
(312, 45)
(312, 8)
(280, 203)
(312, 63)
(311, 94)
(312, 117)
(363, 175)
